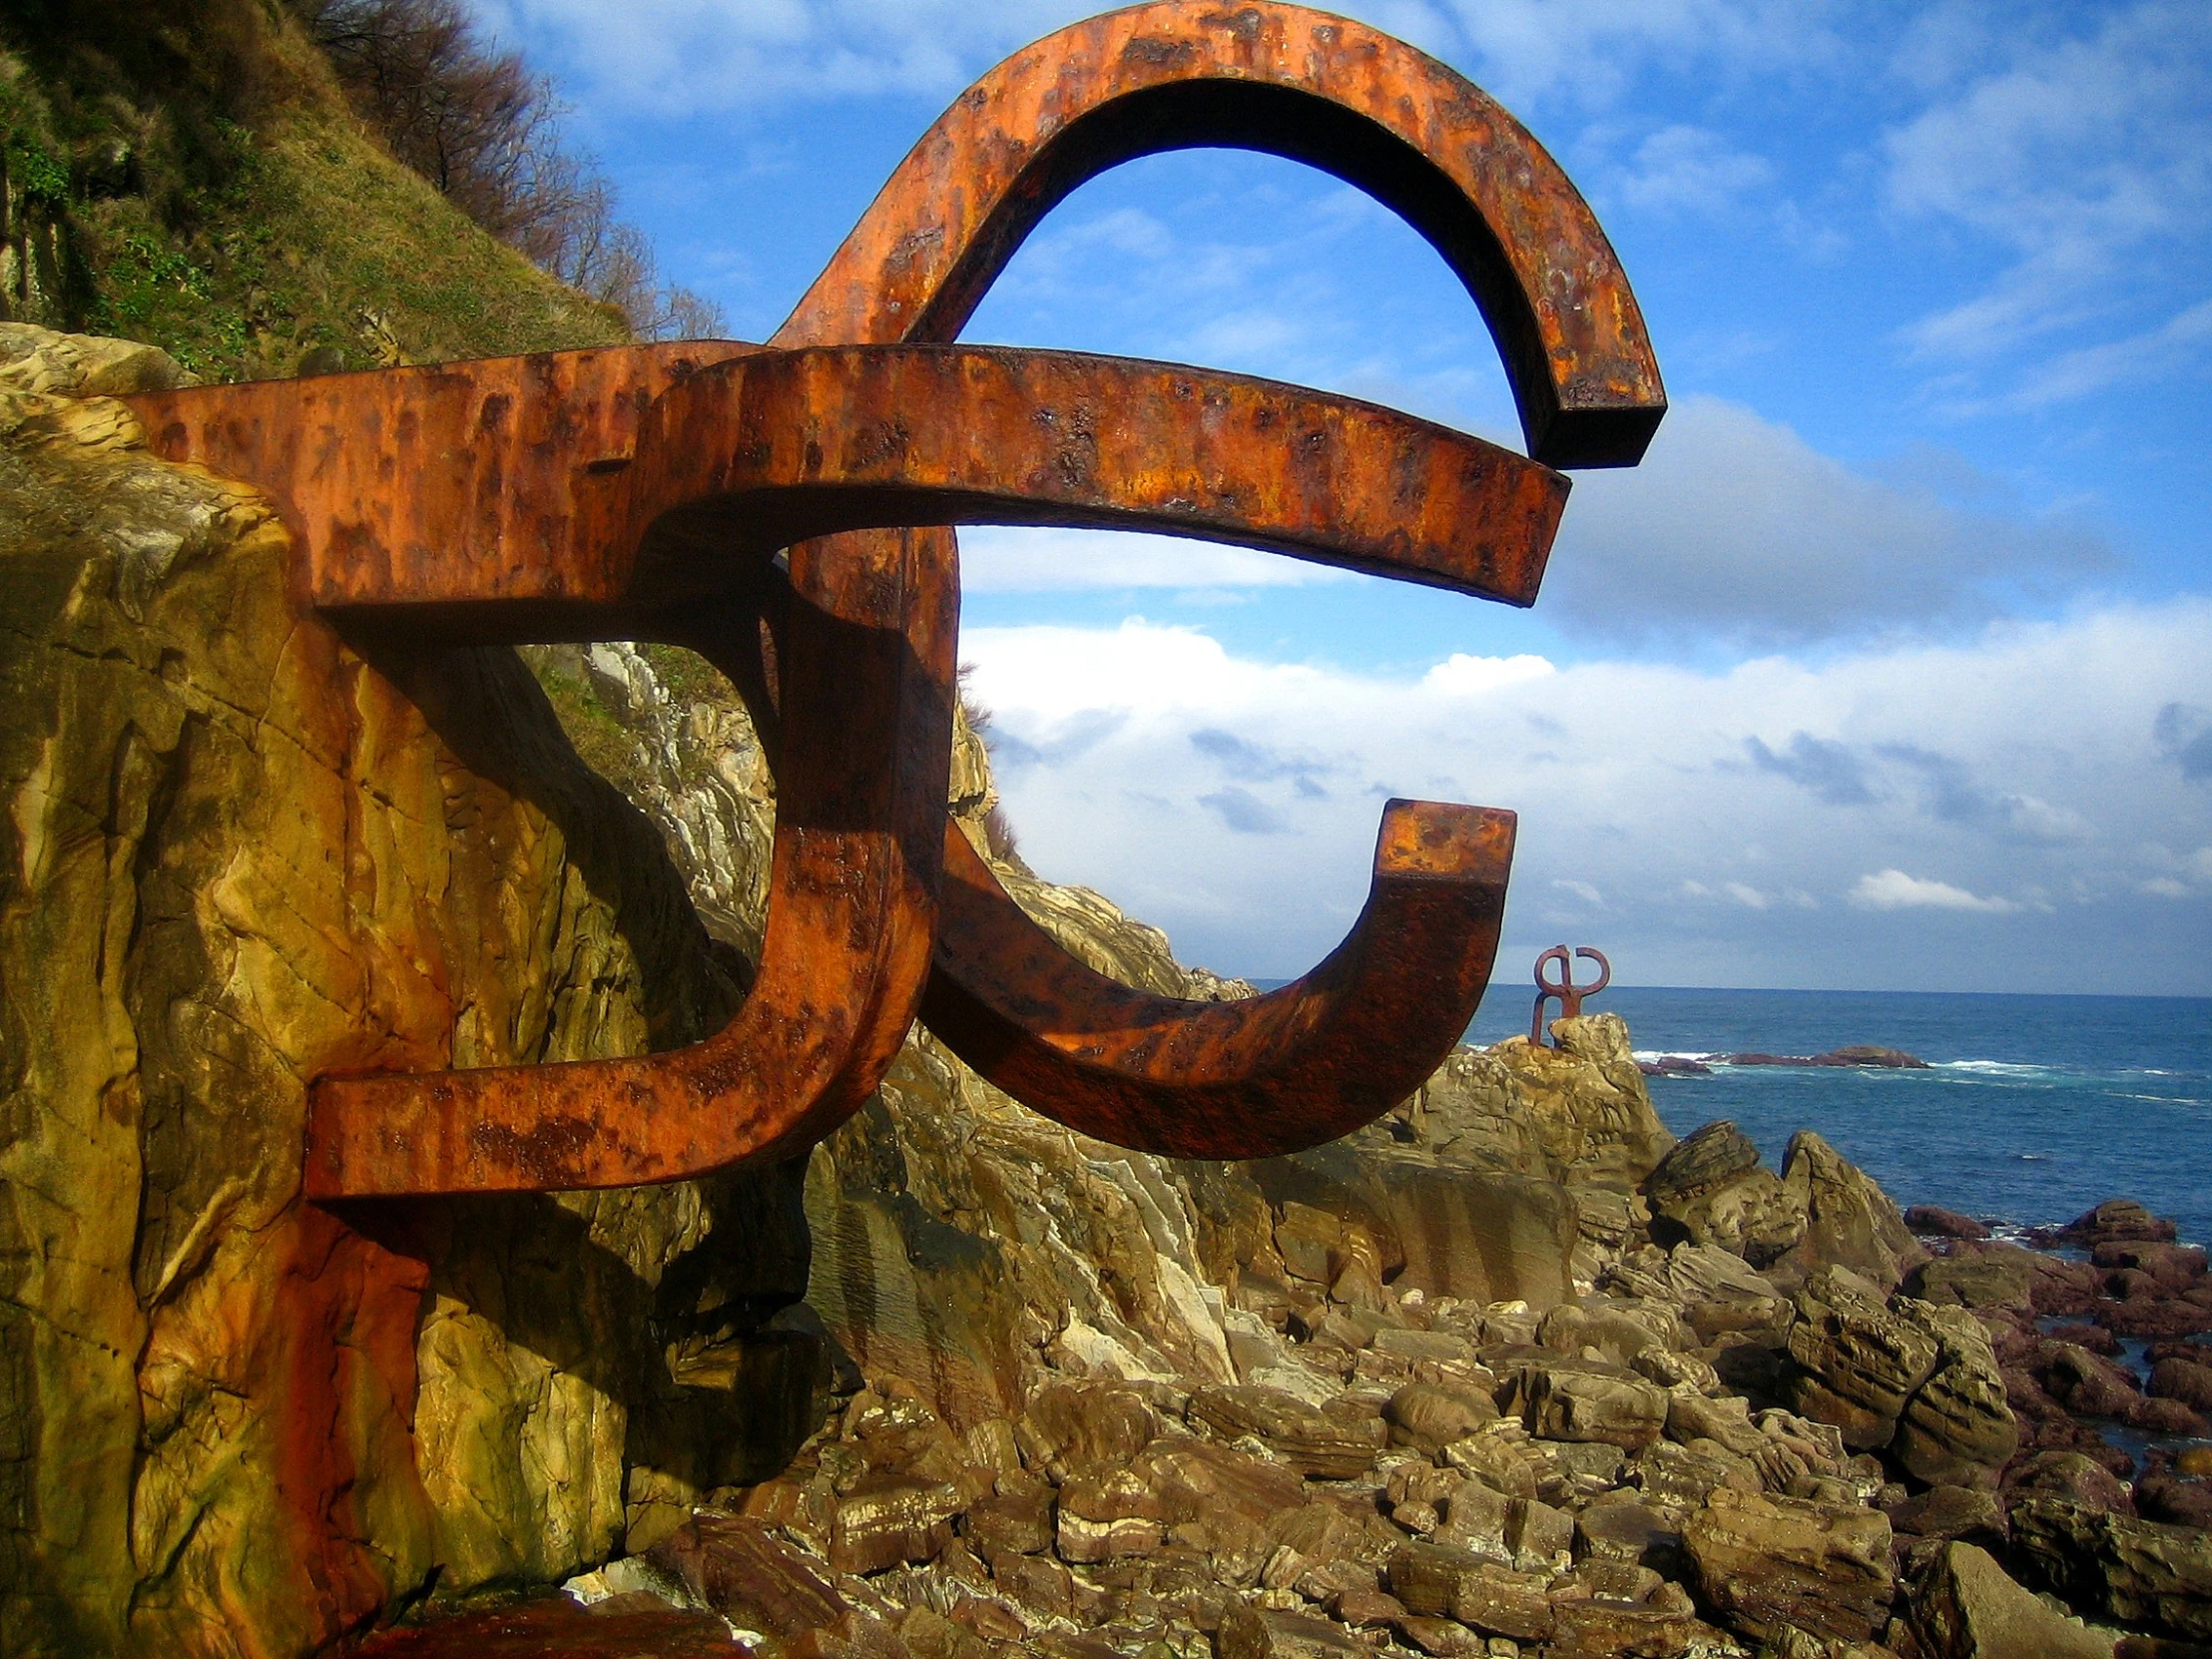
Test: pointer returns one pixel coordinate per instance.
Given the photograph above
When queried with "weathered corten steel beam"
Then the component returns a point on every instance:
(645, 493)
(1435, 147)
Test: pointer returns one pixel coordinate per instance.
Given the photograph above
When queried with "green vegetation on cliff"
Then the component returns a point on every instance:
(189, 172)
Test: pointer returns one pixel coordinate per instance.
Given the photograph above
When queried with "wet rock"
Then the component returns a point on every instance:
(2142, 1573)
(2175, 1267)
(1930, 1221)
(1312, 1442)
(2166, 1494)
(1711, 1190)
(1767, 1564)
(1964, 1607)
(2070, 1477)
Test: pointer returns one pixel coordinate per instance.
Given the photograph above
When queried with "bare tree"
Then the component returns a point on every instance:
(487, 133)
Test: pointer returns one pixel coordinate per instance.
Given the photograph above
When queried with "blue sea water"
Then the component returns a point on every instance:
(2035, 1107)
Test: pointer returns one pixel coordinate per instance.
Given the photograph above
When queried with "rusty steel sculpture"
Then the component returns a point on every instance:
(785, 510)
(1564, 990)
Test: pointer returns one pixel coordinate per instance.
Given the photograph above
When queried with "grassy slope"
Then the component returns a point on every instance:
(186, 172)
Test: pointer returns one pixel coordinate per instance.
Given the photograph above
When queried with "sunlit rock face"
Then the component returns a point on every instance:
(236, 855)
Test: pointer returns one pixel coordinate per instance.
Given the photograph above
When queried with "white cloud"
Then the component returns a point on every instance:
(2154, 354)
(1690, 170)
(2089, 158)
(1735, 527)
(1892, 889)
(1234, 801)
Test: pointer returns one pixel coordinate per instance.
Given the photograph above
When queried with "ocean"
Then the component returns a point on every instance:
(2034, 1108)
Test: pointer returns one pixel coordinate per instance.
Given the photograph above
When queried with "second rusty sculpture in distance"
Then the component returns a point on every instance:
(1564, 990)
(785, 510)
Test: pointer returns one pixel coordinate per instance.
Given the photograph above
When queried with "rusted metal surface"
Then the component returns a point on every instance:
(1243, 1079)
(1564, 990)
(1408, 131)
(643, 492)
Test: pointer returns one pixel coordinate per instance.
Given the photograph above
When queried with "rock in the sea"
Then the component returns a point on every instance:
(1964, 1607)
(1930, 1221)
(2118, 1221)
(1858, 1054)
(1768, 1564)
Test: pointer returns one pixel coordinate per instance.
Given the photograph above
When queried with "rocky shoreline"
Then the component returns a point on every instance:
(1774, 1421)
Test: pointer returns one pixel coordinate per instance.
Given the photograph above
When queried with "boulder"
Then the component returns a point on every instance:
(1930, 1221)
(1440, 1582)
(2142, 1573)
(1964, 1607)
(884, 1521)
(1264, 1633)
(1858, 1363)
(1958, 1427)
(1767, 1564)
(1428, 1417)
(1560, 1398)
(1588, 1102)
(2002, 1276)
(2118, 1221)
(737, 1567)
(1967, 1513)
(1710, 1190)
(1848, 1221)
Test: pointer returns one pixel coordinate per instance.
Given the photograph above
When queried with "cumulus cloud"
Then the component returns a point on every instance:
(1738, 528)
(1235, 800)
(1892, 889)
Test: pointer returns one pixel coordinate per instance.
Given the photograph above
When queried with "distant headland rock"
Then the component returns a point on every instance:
(1858, 1054)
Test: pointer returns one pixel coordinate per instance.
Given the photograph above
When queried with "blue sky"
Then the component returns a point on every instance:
(1892, 667)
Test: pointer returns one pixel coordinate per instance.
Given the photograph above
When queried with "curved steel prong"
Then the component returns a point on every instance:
(1242, 1079)
(1410, 132)
(1319, 89)
(671, 542)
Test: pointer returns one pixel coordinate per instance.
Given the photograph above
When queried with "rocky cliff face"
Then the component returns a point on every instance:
(1507, 1366)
